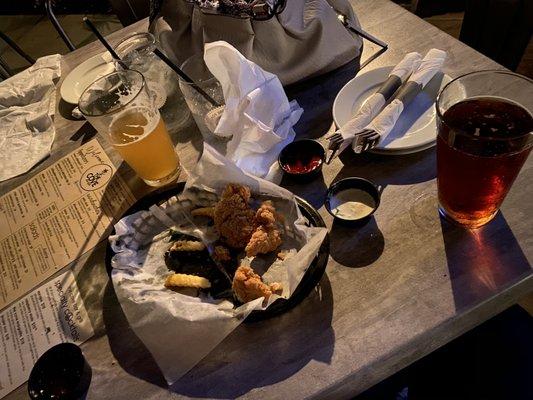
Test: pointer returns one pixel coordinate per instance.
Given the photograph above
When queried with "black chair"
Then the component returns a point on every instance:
(48, 6)
(5, 71)
(427, 8)
(500, 29)
(130, 11)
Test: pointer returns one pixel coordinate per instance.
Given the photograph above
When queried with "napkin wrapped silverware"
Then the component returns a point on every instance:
(374, 104)
(378, 129)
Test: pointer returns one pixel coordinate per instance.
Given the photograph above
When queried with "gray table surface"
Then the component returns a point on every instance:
(394, 290)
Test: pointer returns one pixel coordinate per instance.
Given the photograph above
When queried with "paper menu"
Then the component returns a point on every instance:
(51, 314)
(56, 216)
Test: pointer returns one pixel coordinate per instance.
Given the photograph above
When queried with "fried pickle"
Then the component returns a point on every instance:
(184, 280)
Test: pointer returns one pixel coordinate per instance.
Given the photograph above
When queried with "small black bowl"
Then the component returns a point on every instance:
(60, 373)
(352, 183)
(302, 152)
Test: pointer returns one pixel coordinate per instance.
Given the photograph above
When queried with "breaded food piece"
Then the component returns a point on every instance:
(263, 241)
(282, 255)
(276, 287)
(203, 212)
(184, 280)
(221, 254)
(248, 286)
(265, 214)
(187, 245)
(233, 216)
(266, 236)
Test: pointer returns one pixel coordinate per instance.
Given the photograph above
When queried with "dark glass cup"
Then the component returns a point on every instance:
(485, 134)
(61, 373)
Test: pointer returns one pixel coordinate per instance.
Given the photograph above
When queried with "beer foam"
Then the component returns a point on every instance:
(151, 117)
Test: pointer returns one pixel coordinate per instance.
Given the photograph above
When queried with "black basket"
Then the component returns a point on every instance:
(312, 275)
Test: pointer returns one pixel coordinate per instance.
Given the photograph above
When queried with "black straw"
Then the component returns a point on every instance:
(185, 77)
(158, 53)
(104, 42)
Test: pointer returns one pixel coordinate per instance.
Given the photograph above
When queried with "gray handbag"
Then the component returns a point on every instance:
(294, 39)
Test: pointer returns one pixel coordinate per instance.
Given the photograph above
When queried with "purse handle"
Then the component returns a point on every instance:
(258, 10)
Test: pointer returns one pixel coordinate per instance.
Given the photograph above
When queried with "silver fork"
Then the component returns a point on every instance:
(335, 142)
(372, 142)
(366, 140)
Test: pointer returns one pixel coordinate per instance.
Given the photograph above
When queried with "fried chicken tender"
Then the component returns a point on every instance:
(233, 216)
(248, 286)
(266, 236)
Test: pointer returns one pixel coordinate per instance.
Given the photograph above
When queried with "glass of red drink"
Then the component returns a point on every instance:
(485, 134)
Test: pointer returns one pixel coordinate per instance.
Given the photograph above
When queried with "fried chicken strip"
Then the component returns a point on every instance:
(266, 236)
(248, 286)
(233, 216)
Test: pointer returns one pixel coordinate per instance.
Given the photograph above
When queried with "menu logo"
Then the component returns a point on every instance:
(96, 177)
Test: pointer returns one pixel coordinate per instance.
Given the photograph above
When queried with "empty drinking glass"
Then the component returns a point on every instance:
(137, 52)
(203, 111)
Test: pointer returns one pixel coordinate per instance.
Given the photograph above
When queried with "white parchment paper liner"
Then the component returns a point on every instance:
(180, 330)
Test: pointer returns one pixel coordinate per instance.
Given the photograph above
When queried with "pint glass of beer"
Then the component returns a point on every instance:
(485, 134)
(118, 106)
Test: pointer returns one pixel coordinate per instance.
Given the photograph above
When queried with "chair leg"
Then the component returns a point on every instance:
(57, 25)
(5, 72)
(15, 47)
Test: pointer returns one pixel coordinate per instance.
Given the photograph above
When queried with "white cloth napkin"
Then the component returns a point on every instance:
(430, 65)
(375, 103)
(27, 104)
(257, 112)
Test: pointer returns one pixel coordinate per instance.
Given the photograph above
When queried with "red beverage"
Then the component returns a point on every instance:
(481, 146)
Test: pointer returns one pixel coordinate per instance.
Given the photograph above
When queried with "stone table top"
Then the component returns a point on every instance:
(394, 290)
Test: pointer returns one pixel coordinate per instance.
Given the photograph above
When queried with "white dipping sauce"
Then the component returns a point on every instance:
(352, 204)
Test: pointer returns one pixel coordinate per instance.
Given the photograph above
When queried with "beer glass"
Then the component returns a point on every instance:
(118, 105)
(485, 134)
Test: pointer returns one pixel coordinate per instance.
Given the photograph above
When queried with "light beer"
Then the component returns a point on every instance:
(142, 140)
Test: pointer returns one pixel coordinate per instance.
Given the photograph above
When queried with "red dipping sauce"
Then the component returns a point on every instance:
(303, 167)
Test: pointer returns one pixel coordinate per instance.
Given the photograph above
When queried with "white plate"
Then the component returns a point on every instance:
(416, 129)
(84, 74)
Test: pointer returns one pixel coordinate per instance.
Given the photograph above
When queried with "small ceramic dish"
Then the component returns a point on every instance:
(61, 373)
(302, 160)
(352, 201)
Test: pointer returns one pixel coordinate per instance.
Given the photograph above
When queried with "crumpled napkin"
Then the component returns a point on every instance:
(27, 104)
(428, 68)
(257, 112)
